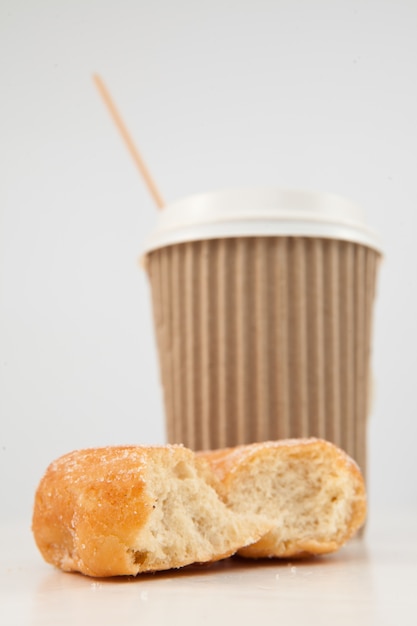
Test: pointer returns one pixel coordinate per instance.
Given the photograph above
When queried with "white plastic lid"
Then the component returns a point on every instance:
(260, 212)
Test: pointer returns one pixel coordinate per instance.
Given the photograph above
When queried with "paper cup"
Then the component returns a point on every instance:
(263, 303)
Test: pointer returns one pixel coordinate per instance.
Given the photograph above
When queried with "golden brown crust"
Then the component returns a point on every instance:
(89, 505)
(234, 467)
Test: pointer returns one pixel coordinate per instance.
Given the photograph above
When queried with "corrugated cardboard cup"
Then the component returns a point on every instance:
(263, 303)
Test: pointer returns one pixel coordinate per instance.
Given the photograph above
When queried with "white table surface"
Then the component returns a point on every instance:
(372, 580)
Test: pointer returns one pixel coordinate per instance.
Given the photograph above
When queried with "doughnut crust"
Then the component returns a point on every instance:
(309, 490)
(124, 510)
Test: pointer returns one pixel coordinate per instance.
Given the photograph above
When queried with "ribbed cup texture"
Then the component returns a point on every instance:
(265, 338)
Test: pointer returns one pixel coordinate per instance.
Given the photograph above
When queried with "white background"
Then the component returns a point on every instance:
(315, 94)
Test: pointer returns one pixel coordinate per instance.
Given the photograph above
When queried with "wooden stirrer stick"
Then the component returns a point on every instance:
(129, 142)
